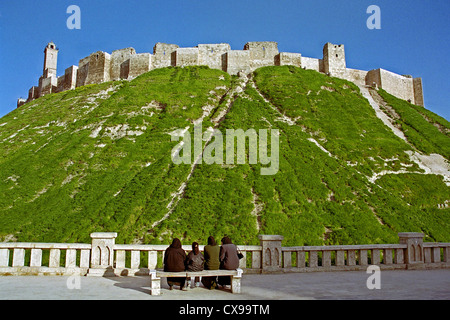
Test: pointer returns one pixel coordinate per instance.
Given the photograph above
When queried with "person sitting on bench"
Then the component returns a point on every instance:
(194, 262)
(229, 259)
(212, 251)
(174, 261)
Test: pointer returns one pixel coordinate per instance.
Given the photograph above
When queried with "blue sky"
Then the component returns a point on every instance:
(413, 39)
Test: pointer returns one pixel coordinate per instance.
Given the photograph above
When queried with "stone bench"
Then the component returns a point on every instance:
(156, 275)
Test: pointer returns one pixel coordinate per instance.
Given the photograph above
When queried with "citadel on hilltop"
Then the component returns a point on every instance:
(127, 64)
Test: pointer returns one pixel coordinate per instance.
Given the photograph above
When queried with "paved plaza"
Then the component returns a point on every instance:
(348, 285)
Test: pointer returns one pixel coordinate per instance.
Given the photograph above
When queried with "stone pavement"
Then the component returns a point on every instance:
(348, 285)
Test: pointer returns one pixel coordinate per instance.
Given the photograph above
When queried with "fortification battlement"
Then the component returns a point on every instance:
(125, 63)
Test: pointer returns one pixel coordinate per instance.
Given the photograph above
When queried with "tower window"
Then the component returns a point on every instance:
(336, 55)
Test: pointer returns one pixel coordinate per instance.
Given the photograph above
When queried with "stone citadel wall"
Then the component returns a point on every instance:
(127, 64)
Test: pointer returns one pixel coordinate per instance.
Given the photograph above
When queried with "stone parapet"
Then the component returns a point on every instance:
(103, 257)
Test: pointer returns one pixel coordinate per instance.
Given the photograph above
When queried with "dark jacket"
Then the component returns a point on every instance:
(228, 257)
(174, 257)
(194, 262)
(212, 257)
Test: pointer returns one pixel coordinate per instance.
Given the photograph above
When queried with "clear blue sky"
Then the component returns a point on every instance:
(414, 36)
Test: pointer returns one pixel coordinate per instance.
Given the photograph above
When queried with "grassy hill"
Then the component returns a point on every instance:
(98, 158)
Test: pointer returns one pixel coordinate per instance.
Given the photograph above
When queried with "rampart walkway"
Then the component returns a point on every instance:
(349, 285)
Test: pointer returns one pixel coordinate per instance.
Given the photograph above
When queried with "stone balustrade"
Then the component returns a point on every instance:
(17, 258)
(103, 257)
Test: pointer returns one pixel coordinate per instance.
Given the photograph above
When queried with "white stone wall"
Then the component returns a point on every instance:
(418, 92)
(261, 53)
(139, 63)
(397, 85)
(288, 58)
(312, 64)
(83, 68)
(118, 57)
(99, 67)
(211, 55)
(162, 55)
(237, 60)
(356, 76)
(186, 57)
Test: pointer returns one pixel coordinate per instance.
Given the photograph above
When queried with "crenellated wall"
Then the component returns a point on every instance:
(127, 64)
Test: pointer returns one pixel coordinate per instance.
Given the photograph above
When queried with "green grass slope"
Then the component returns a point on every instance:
(98, 158)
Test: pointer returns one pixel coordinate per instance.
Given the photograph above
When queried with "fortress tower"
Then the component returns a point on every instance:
(50, 60)
(334, 59)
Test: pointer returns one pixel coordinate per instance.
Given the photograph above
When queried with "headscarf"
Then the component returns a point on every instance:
(226, 240)
(176, 243)
(195, 248)
(211, 241)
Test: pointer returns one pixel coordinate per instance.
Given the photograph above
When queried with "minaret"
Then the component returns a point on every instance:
(50, 60)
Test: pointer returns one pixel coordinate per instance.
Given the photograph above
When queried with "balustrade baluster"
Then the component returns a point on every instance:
(256, 259)
(36, 258)
(4, 257)
(243, 261)
(85, 258)
(287, 261)
(301, 259)
(375, 256)
(387, 256)
(71, 258)
(135, 259)
(313, 263)
(326, 258)
(340, 257)
(152, 259)
(54, 260)
(351, 257)
(120, 259)
(18, 257)
(363, 257)
(399, 256)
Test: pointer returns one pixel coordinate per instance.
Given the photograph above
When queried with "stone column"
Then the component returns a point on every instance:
(414, 251)
(271, 253)
(102, 254)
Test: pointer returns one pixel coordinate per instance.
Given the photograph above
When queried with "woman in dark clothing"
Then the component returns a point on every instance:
(229, 259)
(174, 259)
(212, 251)
(194, 262)
(212, 262)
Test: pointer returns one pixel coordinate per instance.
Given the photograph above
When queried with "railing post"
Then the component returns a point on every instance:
(413, 257)
(102, 254)
(271, 252)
